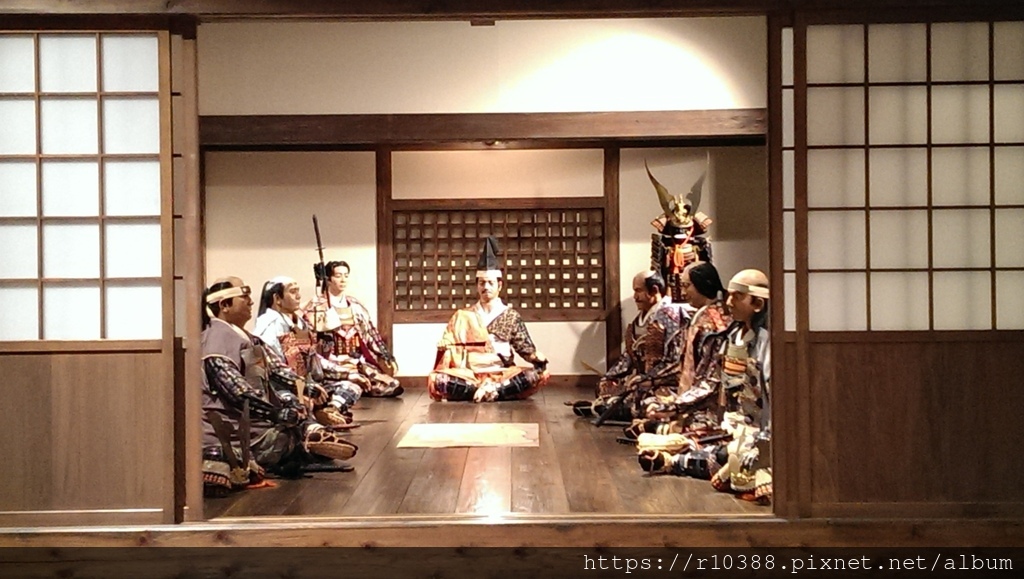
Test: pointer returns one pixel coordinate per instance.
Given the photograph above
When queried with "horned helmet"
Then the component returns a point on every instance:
(679, 210)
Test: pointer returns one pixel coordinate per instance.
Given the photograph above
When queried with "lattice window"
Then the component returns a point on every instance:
(553, 257)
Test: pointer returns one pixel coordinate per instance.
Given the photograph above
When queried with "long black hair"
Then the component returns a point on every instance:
(270, 289)
(706, 280)
(215, 308)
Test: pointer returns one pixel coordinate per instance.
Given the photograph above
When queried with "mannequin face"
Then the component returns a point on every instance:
(690, 293)
(239, 311)
(338, 281)
(643, 300)
(743, 306)
(291, 301)
(488, 287)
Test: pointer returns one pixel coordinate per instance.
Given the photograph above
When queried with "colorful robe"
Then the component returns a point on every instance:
(651, 358)
(477, 351)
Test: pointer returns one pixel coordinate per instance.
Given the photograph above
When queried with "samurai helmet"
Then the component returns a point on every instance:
(679, 210)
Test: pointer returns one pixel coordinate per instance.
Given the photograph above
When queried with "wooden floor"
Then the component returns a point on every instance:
(578, 468)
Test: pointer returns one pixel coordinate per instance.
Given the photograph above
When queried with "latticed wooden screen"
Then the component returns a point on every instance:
(553, 257)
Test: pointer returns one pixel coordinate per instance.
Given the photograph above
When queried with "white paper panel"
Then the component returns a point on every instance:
(1009, 46)
(899, 177)
(131, 125)
(787, 117)
(20, 252)
(67, 63)
(1010, 300)
(130, 63)
(134, 312)
(960, 114)
(132, 187)
(19, 310)
(960, 176)
(1009, 113)
(835, 239)
(1010, 238)
(835, 178)
(835, 116)
(1010, 176)
(788, 240)
(71, 251)
(789, 294)
(17, 63)
(899, 115)
(69, 126)
(961, 238)
(960, 51)
(71, 188)
(835, 53)
(71, 313)
(963, 300)
(837, 302)
(787, 56)
(896, 52)
(17, 189)
(133, 250)
(899, 301)
(899, 239)
(788, 180)
(18, 118)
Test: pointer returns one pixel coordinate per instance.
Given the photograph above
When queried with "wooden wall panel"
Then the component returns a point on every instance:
(85, 432)
(924, 422)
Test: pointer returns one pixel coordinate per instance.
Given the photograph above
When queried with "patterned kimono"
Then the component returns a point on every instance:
(291, 342)
(238, 371)
(694, 406)
(359, 349)
(475, 357)
(746, 383)
(650, 363)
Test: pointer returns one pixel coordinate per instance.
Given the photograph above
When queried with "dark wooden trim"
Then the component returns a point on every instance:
(385, 250)
(913, 12)
(485, 10)
(783, 406)
(496, 203)
(37, 17)
(917, 337)
(480, 130)
(458, 531)
(802, 486)
(529, 315)
(612, 299)
(81, 346)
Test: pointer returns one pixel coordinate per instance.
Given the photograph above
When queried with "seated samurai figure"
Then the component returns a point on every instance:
(741, 462)
(476, 355)
(347, 334)
(682, 235)
(651, 359)
(253, 406)
(692, 408)
(289, 339)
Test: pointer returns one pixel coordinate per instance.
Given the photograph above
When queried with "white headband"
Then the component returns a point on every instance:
(754, 290)
(227, 293)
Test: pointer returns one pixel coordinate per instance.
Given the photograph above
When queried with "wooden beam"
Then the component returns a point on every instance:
(485, 10)
(480, 130)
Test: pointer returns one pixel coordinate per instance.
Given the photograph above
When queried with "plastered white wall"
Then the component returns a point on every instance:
(291, 67)
(259, 209)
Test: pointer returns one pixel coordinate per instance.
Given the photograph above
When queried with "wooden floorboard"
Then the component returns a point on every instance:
(576, 468)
